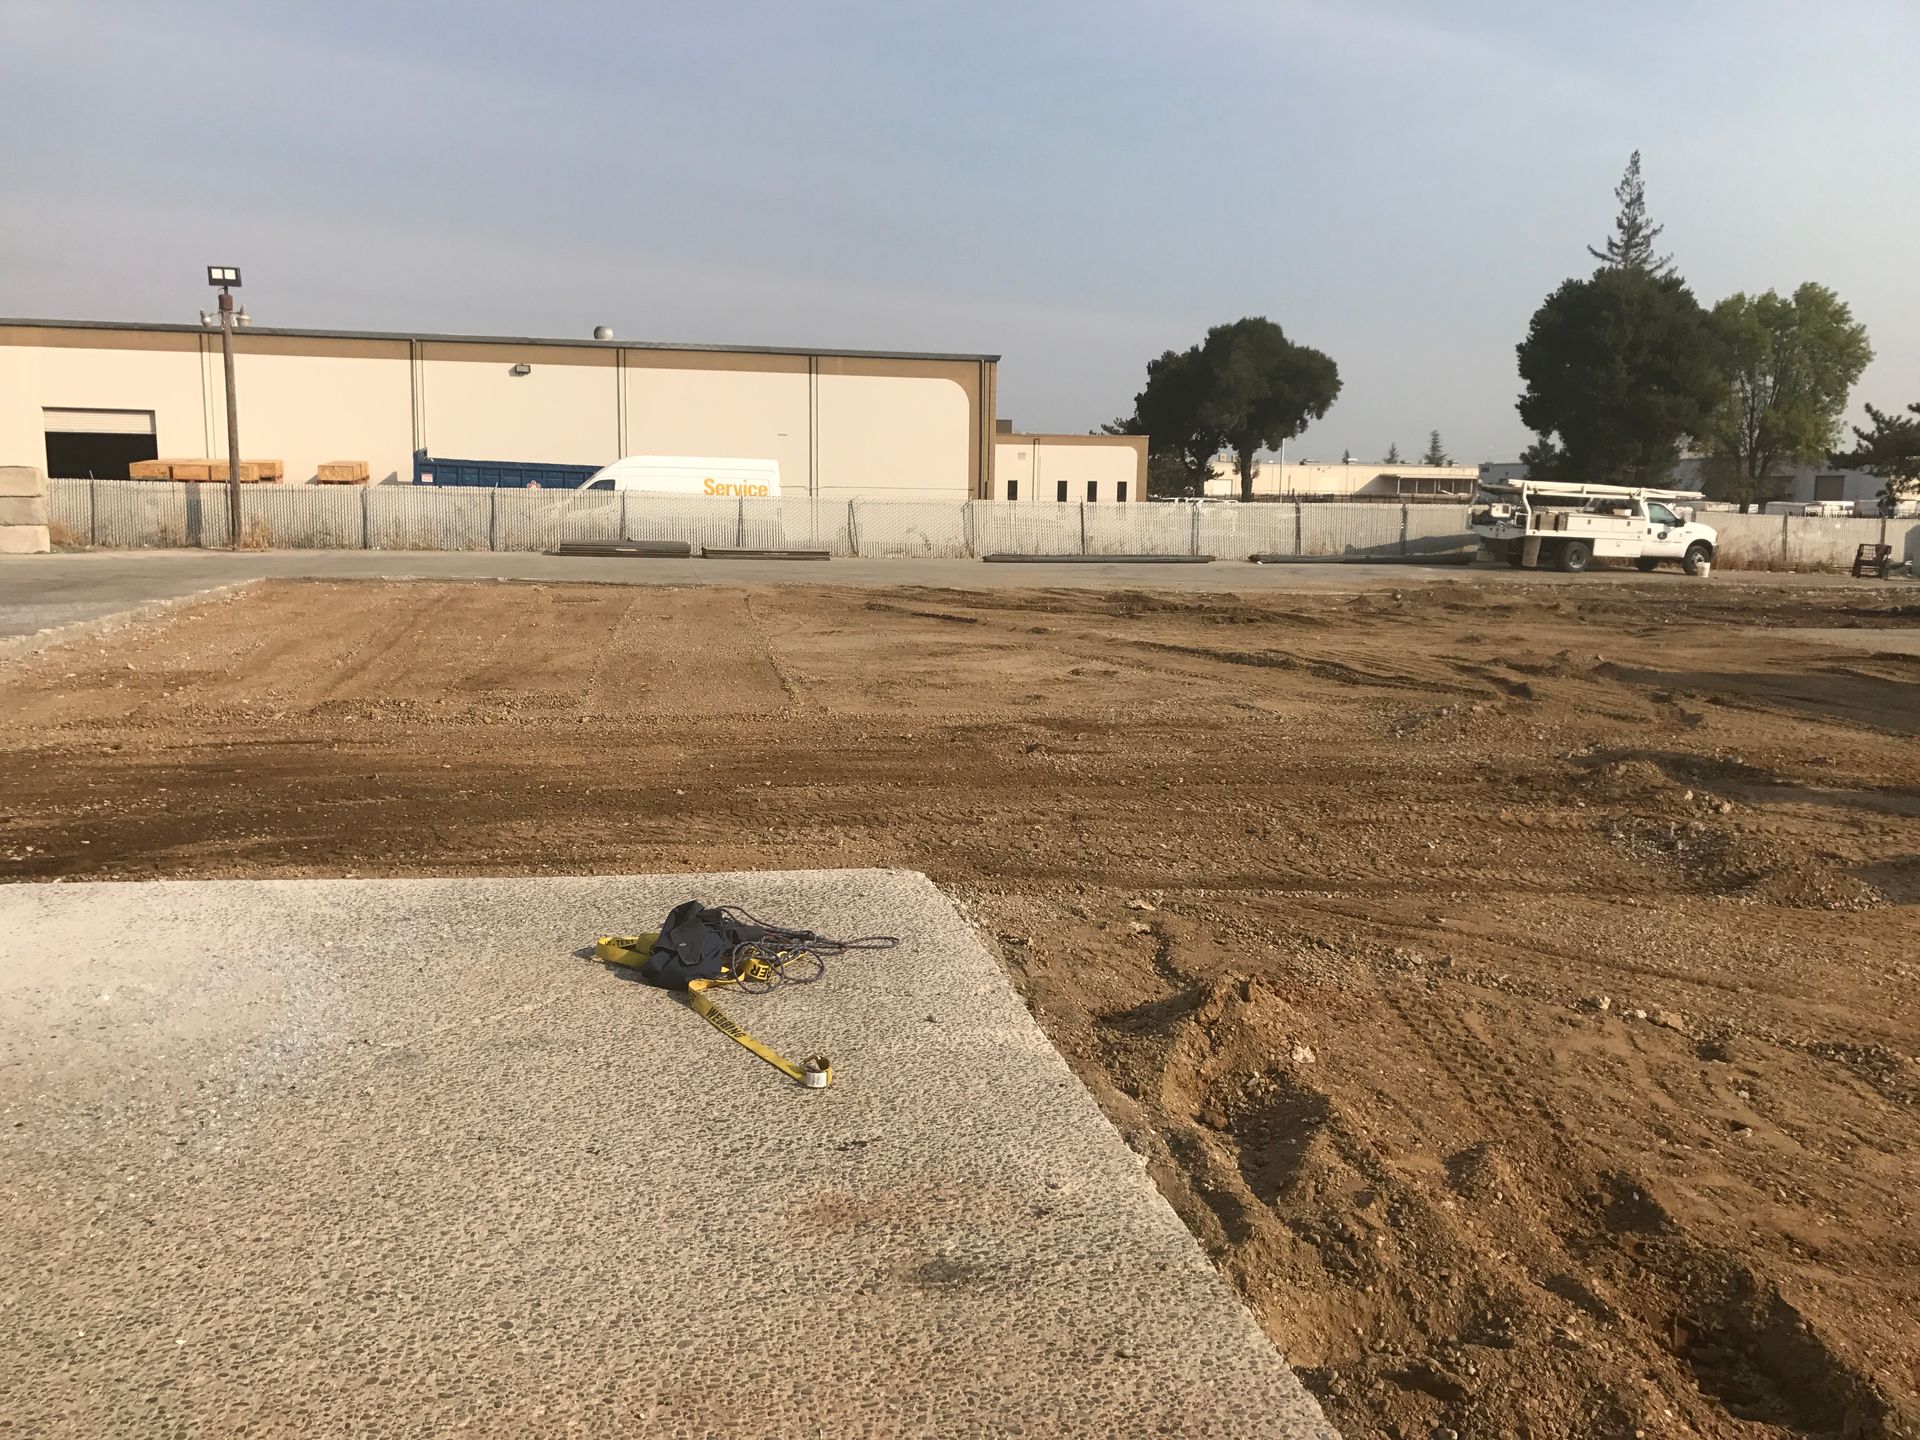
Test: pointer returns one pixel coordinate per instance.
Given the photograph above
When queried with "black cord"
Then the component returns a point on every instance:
(794, 957)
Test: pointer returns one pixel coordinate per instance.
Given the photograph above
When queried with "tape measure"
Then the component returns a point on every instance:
(630, 952)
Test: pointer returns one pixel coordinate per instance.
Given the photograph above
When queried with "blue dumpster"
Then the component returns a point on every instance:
(498, 474)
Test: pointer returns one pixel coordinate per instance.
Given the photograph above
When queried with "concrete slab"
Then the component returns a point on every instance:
(351, 1157)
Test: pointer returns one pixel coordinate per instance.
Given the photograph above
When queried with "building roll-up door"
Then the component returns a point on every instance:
(98, 444)
(100, 422)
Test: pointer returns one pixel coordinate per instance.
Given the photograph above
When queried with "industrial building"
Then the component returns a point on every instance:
(1056, 469)
(80, 398)
(1309, 480)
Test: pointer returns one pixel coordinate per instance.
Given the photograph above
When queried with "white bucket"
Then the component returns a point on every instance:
(1706, 568)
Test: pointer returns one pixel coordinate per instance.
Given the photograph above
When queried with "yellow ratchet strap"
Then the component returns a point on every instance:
(631, 951)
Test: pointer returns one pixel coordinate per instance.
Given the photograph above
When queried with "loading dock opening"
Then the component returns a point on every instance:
(98, 444)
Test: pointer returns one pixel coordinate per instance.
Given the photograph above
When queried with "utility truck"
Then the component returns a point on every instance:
(1543, 522)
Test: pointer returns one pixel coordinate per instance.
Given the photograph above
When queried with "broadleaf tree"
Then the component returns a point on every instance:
(1623, 368)
(1791, 363)
(1246, 387)
(1180, 450)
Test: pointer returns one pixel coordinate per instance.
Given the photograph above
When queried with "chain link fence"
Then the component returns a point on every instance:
(169, 514)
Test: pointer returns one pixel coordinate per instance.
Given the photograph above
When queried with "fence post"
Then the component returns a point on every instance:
(740, 524)
(1299, 530)
(493, 518)
(366, 517)
(1083, 527)
(93, 513)
(1194, 530)
(1406, 515)
(966, 522)
(853, 530)
(1786, 541)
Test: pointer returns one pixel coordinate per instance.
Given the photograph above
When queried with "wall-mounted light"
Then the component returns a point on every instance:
(521, 369)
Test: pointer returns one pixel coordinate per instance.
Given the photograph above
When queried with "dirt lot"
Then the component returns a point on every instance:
(1517, 990)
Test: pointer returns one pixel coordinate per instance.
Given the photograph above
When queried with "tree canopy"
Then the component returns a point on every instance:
(1436, 453)
(1623, 367)
(1790, 364)
(1890, 449)
(1630, 247)
(1246, 387)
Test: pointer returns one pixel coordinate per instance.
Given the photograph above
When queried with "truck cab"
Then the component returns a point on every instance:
(1534, 523)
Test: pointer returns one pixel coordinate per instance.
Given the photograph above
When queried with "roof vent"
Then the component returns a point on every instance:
(603, 332)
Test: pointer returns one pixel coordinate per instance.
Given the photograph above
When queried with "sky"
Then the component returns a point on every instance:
(1074, 186)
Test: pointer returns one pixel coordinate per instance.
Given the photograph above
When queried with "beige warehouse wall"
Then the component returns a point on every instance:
(903, 428)
(757, 407)
(96, 370)
(1081, 460)
(565, 410)
(898, 429)
(1013, 468)
(1042, 462)
(304, 401)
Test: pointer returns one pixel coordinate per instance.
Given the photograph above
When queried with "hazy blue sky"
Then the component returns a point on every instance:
(1075, 186)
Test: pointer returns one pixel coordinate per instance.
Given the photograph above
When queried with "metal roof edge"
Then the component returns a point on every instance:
(7, 322)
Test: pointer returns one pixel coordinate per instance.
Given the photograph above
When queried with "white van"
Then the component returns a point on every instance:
(690, 475)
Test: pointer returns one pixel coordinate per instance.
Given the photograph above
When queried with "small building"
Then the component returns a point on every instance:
(1055, 469)
(80, 398)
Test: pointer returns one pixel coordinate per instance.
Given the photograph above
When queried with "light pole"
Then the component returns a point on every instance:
(227, 278)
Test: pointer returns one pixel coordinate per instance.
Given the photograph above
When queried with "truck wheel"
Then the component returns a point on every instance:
(1574, 556)
(1646, 565)
(1699, 553)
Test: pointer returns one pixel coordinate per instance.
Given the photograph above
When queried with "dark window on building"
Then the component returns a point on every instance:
(1013, 489)
(1122, 486)
(1093, 489)
(1060, 490)
(1829, 487)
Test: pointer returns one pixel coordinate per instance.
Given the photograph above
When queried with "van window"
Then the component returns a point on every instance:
(606, 484)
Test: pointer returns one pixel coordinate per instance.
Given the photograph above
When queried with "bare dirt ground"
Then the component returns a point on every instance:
(1517, 990)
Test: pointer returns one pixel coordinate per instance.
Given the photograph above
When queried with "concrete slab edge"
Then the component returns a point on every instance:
(18, 647)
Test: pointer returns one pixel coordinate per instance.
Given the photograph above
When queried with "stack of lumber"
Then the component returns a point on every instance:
(340, 472)
(251, 471)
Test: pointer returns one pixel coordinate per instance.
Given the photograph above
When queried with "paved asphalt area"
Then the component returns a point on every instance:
(40, 592)
(341, 1157)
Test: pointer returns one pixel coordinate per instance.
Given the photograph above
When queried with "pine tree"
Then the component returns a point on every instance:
(1630, 247)
(1435, 455)
(1393, 454)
